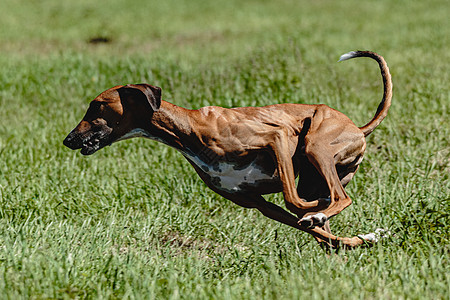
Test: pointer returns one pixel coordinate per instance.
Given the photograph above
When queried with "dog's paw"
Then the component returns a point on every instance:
(312, 221)
(376, 236)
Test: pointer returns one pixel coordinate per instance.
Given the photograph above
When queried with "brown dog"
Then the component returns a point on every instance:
(246, 152)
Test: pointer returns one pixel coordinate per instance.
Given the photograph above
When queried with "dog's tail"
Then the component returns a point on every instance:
(387, 84)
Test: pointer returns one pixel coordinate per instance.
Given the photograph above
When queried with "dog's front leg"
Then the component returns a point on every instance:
(275, 212)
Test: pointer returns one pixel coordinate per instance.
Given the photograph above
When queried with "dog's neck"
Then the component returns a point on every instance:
(171, 124)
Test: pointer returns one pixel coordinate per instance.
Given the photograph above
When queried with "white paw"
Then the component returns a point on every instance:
(312, 221)
(374, 237)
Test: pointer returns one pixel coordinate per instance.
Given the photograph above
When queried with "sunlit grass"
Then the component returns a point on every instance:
(135, 221)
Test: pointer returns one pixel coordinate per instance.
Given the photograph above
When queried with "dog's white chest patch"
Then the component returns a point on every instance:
(228, 177)
(138, 132)
(224, 175)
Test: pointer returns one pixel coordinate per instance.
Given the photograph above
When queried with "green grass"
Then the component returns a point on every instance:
(135, 221)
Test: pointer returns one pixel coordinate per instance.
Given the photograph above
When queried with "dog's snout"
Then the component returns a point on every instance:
(73, 141)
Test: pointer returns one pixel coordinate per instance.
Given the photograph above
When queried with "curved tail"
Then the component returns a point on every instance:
(387, 84)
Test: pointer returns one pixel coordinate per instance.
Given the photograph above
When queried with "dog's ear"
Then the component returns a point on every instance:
(152, 93)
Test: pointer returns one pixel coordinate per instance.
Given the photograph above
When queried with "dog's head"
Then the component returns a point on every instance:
(113, 114)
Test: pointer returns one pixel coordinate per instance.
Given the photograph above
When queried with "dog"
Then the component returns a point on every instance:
(244, 153)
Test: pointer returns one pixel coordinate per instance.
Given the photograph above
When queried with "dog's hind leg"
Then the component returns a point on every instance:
(329, 145)
(283, 157)
(312, 186)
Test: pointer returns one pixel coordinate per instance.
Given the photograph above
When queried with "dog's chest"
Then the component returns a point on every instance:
(231, 177)
(138, 132)
(224, 174)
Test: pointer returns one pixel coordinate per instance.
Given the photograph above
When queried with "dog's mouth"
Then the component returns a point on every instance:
(91, 146)
(90, 143)
(95, 143)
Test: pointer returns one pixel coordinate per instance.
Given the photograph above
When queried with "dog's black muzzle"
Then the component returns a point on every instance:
(73, 141)
(89, 141)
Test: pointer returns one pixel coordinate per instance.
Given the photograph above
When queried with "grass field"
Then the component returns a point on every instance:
(134, 221)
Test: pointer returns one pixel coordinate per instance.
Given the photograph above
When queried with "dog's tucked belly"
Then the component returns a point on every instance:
(233, 178)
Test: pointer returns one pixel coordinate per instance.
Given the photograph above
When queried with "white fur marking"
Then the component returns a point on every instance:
(374, 237)
(319, 217)
(370, 237)
(230, 179)
(138, 132)
(346, 56)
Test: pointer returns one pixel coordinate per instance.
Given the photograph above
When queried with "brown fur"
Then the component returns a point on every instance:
(274, 144)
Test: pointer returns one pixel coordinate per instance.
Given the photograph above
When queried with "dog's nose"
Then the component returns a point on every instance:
(71, 142)
(68, 141)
